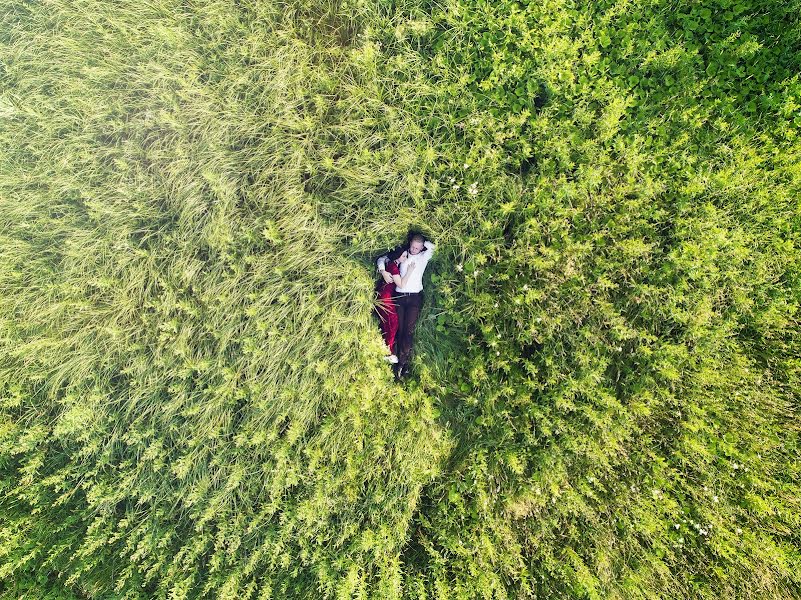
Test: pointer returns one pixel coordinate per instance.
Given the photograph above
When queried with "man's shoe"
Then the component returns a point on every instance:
(403, 371)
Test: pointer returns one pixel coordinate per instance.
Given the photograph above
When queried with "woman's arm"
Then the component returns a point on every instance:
(402, 282)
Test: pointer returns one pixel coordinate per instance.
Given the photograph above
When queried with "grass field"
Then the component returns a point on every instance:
(607, 373)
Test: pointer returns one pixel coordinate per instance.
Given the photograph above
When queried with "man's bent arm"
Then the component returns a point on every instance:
(429, 248)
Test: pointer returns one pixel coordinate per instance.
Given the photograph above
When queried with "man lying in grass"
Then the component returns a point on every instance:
(408, 295)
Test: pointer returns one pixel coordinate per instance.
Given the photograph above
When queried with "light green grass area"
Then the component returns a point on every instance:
(607, 372)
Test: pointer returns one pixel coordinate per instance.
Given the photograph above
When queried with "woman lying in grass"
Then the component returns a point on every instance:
(385, 306)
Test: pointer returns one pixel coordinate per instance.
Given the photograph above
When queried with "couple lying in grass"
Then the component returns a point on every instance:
(400, 296)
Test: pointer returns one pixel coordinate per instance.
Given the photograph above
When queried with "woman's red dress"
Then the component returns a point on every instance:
(385, 307)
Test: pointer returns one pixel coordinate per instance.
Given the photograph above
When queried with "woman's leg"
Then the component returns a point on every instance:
(392, 326)
(387, 318)
(380, 310)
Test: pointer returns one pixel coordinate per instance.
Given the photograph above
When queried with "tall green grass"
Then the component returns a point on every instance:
(605, 395)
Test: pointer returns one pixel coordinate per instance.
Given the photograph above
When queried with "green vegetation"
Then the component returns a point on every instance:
(605, 400)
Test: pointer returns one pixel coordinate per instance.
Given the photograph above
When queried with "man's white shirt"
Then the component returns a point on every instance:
(415, 281)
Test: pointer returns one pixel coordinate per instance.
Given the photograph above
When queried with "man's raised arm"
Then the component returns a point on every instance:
(382, 262)
(429, 248)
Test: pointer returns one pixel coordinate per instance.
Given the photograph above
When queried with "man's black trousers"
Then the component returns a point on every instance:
(408, 308)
